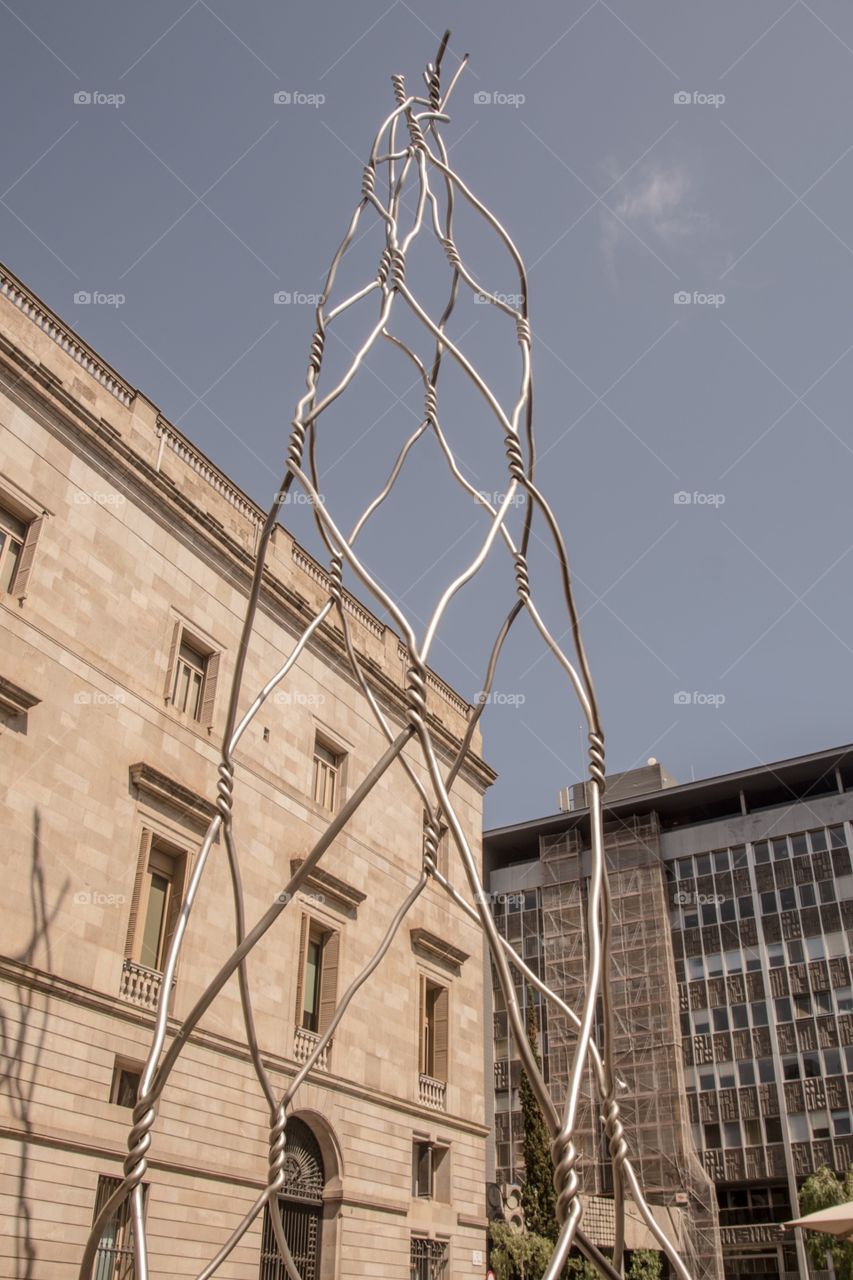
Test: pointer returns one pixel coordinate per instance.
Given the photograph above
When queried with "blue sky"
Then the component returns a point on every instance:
(636, 153)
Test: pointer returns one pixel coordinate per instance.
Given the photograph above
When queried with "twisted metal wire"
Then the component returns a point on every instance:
(419, 162)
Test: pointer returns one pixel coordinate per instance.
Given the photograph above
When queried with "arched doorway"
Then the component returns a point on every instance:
(300, 1204)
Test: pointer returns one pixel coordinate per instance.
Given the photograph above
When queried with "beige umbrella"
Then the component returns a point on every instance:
(837, 1221)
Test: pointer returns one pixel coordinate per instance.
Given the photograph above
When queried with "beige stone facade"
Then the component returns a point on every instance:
(132, 545)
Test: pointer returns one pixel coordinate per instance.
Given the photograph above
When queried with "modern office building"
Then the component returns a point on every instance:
(733, 920)
(125, 560)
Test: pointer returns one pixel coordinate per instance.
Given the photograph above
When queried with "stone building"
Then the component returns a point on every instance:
(125, 557)
(733, 921)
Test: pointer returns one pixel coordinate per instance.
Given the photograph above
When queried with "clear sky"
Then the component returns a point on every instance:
(635, 152)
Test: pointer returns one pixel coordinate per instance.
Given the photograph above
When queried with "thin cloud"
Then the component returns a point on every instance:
(655, 211)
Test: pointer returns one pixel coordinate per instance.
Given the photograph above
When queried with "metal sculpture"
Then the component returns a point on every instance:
(420, 160)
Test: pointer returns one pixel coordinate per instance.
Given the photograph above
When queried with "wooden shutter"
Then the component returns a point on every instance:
(300, 968)
(173, 653)
(136, 898)
(328, 980)
(421, 1024)
(208, 694)
(439, 1016)
(176, 897)
(23, 573)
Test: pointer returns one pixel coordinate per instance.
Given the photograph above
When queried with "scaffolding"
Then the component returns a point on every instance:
(647, 1041)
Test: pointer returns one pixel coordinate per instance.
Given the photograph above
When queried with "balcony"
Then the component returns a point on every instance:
(304, 1044)
(501, 1075)
(141, 985)
(432, 1093)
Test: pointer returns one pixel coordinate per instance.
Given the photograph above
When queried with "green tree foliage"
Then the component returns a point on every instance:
(822, 1190)
(538, 1197)
(518, 1255)
(645, 1265)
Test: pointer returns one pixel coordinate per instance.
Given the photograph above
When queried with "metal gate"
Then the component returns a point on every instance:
(300, 1206)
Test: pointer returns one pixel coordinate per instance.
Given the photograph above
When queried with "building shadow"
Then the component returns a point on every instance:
(23, 1031)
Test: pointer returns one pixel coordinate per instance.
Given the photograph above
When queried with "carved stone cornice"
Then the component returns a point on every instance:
(188, 803)
(14, 700)
(342, 895)
(437, 949)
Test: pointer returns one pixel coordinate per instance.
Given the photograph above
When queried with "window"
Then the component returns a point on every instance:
(759, 1013)
(327, 773)
(192, 676)
(18, 537)
(156, 903)
(428, 1259)
(114, 1256)
(316, 989)
(430, 1166)
(766, 1070)
(721, 1019)
(701, 1023)
(768, 902)
(432, 1048)
(807, 895)
(752, 1132)
(841, 1123)
(740, 1016)
(788, 899)
(773, 1128)
(832, 1062)
(746, 1072)
(746, 907)
(783, 1009)
(125, 1085)
(712, 1135)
